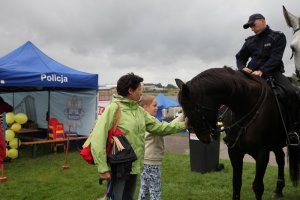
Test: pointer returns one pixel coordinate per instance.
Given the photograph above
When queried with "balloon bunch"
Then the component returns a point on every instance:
(13, 125)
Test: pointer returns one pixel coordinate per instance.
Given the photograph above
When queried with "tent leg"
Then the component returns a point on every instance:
(34, 150)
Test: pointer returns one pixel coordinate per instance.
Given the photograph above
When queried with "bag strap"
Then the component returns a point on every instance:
(117, 117)
(115, 124)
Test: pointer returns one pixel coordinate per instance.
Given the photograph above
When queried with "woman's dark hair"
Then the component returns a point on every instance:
(127, 81)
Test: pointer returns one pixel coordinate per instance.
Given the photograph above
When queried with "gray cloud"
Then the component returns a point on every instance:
(157, 39)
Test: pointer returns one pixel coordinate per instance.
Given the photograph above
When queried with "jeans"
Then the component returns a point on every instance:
(124, 189)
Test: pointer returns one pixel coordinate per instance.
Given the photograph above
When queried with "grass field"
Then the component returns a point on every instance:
(42, 178)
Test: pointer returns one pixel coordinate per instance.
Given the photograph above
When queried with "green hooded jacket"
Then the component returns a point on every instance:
(133, 122)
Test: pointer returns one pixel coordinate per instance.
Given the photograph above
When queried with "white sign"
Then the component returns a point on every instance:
(54, 78)
(193, 136)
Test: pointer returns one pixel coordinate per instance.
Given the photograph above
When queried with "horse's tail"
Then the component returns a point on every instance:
(294, 163)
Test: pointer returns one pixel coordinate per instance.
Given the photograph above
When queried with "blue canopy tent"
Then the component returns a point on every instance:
(164, 102)
(28, 72)
(27, 67)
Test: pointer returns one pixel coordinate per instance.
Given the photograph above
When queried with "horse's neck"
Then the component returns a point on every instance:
(244, 93)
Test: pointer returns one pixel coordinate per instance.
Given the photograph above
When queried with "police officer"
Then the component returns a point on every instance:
(265, 50)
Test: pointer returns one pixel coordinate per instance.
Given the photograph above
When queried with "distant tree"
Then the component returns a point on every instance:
(159, 85)
(171, 86)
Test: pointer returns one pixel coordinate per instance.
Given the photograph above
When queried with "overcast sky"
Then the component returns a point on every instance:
(159, 40)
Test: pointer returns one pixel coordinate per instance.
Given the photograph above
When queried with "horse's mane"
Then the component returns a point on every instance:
(216, 80)
(217, 73)
(212, 78)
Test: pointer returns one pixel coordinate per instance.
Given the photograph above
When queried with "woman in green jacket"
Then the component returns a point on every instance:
(133, 122)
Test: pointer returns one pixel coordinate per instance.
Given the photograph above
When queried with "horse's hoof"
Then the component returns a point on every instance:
(276, 195)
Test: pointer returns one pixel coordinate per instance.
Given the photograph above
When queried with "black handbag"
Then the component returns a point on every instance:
(120, 158)
(121, 151)
(120, 155)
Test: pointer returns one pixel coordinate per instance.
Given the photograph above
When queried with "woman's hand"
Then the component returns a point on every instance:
(179, 118)
(105, 176)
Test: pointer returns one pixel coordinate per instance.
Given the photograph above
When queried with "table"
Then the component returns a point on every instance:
(35, 143)
(26, 131)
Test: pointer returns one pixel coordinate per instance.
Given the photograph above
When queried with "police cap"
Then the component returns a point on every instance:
(252, 19)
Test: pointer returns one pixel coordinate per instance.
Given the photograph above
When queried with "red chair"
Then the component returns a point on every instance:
(56, 129)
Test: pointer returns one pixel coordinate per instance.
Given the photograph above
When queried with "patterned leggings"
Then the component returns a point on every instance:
(150, 182)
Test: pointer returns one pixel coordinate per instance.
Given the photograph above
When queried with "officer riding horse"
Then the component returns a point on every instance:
(261, 56)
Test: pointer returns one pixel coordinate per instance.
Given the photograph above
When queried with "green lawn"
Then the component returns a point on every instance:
(42, 178)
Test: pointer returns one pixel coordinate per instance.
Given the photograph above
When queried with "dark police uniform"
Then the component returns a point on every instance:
(265, 52)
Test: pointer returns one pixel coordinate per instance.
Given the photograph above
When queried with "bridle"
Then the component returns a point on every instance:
(254, 112)
(207, 125)
(296, 30)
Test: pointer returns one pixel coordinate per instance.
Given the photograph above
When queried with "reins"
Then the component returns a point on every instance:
(256, 109)
(257, 112)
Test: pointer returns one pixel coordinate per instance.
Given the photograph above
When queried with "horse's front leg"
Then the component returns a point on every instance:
(262, 160)
(236, 159)
(279, 155)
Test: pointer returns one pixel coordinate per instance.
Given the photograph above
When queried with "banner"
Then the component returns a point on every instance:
(76, 110)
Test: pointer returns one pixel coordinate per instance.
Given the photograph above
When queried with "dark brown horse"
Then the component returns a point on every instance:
(253, 127)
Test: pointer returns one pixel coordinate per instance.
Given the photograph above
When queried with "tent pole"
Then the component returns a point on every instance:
(96, 113)
(13, 100)
(48, 112)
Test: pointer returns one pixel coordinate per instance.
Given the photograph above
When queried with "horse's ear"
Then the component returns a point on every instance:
(291, 20)
(185, 90)
(179, 83)
(182, 86)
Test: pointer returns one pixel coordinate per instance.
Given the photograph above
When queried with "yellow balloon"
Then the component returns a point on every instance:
(14, 143)
(6, 152)
(16, 127)
(9, 135)
(21, 118)
(10, 118)
(12, 153)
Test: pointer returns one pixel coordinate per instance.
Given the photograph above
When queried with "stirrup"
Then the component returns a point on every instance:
(293, 139)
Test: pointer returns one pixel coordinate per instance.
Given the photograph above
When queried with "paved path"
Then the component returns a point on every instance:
(179, 144)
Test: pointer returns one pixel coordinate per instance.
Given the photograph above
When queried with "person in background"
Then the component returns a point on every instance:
(154, 153)
(5, 107)
(264, 50)
(134, 122)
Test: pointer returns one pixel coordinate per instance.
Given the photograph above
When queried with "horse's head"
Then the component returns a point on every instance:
(201, 114)
(294, 22)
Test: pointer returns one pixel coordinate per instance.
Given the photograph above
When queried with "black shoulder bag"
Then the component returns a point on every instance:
(121, 155)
